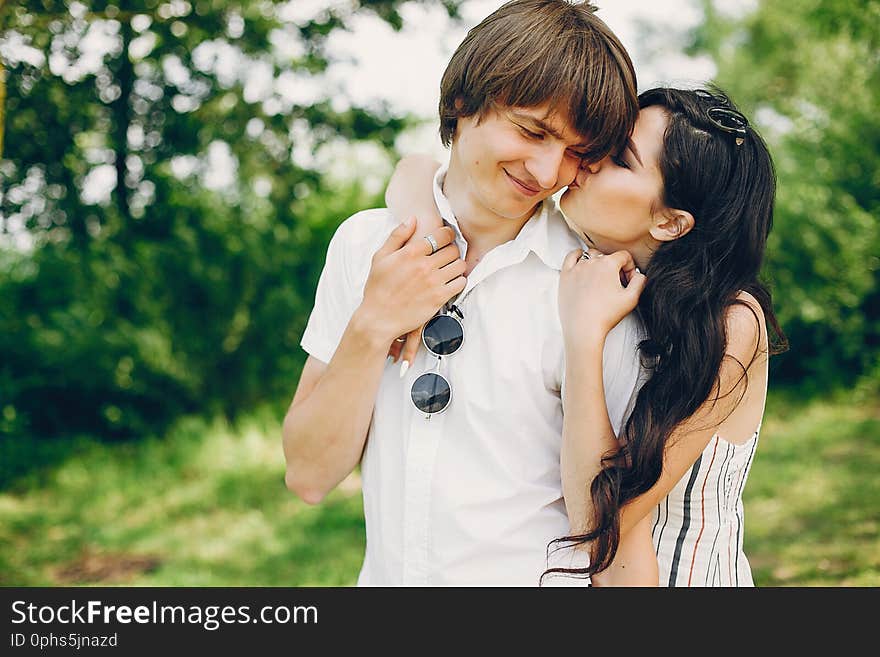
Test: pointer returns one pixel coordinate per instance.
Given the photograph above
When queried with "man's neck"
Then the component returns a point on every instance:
(481, 227)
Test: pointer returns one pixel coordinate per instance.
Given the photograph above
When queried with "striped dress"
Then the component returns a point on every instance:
(698, 529)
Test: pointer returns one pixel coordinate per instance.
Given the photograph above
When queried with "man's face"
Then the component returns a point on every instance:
(515, 157)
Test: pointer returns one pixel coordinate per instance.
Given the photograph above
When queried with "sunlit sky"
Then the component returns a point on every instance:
(375, 64)
(405, 67)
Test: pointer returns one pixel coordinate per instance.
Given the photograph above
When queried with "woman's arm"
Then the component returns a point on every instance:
(588, 433)
(585, 288)
(635, 563)
(735, 415)
(410, 193)
(587, 436)
(592, 301)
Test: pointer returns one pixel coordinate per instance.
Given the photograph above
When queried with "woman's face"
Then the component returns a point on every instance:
(614, 203)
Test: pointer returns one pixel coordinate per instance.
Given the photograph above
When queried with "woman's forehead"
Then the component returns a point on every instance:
(648, 132)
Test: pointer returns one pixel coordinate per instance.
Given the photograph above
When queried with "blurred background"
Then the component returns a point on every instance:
(171, 174)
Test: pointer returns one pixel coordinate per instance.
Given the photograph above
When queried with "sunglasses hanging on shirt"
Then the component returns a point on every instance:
(443, 335)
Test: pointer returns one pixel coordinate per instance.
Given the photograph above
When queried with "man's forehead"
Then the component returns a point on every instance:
(554, 121)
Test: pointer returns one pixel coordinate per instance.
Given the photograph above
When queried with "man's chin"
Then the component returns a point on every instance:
(515, 211)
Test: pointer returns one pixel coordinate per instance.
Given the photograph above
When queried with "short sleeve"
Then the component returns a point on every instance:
(621, 369)
(336, 298)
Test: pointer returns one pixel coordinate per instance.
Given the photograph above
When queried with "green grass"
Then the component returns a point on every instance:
(207, 506)
(812, 501)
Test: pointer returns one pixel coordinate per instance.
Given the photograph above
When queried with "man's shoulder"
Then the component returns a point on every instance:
(561, 239)
(629, 331)
(367, 222)
(363, 232)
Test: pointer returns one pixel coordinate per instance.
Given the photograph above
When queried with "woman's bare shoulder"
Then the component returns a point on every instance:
(746, 327)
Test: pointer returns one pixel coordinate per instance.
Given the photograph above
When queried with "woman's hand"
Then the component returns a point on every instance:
(596, 293)
(406, 347)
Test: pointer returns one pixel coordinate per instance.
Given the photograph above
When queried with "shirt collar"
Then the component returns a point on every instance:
(546, 233)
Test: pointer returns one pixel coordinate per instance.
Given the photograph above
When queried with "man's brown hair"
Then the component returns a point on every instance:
(528, 52)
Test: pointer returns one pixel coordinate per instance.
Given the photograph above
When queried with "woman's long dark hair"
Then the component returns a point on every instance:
(692, 281)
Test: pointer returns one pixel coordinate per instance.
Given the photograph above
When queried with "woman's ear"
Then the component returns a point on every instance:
(671, 225)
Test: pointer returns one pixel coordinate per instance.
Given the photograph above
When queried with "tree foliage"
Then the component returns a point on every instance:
(168, 293)
(809, 74)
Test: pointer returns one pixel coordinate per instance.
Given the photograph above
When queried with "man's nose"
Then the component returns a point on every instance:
(547, 166)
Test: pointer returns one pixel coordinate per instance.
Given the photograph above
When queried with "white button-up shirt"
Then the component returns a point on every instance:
(472, 495)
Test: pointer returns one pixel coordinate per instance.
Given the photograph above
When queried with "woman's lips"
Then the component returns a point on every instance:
(521, 186)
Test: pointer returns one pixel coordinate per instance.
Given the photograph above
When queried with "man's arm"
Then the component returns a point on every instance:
(326, 425)
(325, 428)
(410, 193)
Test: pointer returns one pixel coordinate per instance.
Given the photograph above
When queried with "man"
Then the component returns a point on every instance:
(467, 491)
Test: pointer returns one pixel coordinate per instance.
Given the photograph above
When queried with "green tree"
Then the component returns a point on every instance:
(166, 295)
(809, 73)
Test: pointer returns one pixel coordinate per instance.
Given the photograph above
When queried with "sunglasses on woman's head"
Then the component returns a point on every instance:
(443, 335)
(723, 117)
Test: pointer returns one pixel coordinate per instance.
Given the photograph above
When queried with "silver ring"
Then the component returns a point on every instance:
(434, 246)
(585, 256)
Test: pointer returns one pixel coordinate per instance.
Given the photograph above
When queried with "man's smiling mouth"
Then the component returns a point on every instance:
(526, 189)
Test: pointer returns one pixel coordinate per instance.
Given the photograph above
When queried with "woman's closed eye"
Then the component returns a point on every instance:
(619, 160)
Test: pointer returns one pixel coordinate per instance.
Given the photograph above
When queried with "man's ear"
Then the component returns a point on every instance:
(671, 225)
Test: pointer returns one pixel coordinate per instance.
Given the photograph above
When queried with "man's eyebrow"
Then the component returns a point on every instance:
(635, 151)
(543, 125)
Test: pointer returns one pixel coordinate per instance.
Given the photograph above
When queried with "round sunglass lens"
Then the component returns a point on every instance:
(443, 335)
(431, 393)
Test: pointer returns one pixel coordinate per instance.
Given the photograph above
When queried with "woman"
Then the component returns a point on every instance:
(689, 202)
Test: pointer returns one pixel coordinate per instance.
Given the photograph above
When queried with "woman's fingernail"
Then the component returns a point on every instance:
(404, 366)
